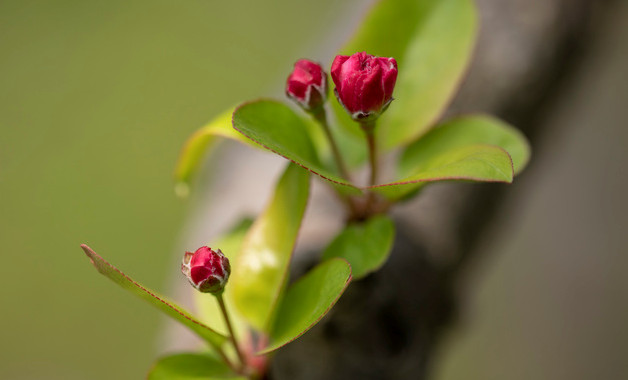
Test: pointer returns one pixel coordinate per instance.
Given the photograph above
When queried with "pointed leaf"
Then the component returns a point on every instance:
(160, 302)
(308, 300)
(200, 143)
(484, 163)
(259, 272)
(365, 246)
(464, 131)
(277, 128)
(432, 41)
(191, 366)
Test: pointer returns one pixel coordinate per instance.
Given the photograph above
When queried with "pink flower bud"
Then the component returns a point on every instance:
(206, 269)
(307, 84)
(364, 84)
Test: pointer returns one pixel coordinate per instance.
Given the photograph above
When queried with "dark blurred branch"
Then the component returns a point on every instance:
(388, 325)
(527, 109)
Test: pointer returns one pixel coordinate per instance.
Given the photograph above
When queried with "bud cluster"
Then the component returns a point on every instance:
(364, 84)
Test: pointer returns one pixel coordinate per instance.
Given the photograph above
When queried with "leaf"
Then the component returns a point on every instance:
(464, 131)
(308, 300)
(199, 144)
(160, 302)
(209, 311)
(432, 41)
(259, 272)
(485, 163)
(191, 366)
(277, 128)
(366, 246)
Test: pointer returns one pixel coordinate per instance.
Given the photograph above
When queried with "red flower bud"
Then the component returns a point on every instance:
(307, 84)
(206, 269)
(364, 84)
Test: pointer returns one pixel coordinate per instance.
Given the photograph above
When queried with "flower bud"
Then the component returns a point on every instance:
(307, 85)
(206, 269)
(364, 84)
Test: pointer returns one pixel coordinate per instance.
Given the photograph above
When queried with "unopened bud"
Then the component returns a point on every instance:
(364, 84)
(206, 269)
(307, 85)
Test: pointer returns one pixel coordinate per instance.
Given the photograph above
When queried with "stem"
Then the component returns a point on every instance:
(369, 130)
(225, 359)
(321, 117)
(223, 309)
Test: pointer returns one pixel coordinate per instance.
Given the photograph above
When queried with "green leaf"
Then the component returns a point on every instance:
(160, 302)
(199, 144)
(485, 163)
(432, 41)
(191, 366)
(277, 128)
(209, 311)
(308, 300)
(464, 131)
(366, 246)
(259, 272)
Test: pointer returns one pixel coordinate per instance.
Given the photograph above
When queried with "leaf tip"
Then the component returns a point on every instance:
(89, 253)
(349, 276)
(511, 174)
(349, 266)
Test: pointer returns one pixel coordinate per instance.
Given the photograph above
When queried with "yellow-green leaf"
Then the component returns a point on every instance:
(484, 163)
(260, 271)
(465, 131)
(278, 128)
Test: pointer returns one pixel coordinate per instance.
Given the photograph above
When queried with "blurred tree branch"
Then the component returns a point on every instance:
(388, 325)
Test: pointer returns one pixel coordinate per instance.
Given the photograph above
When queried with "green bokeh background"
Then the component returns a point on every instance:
(96, 99)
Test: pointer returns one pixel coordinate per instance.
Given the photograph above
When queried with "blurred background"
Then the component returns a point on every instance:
(97, 98)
